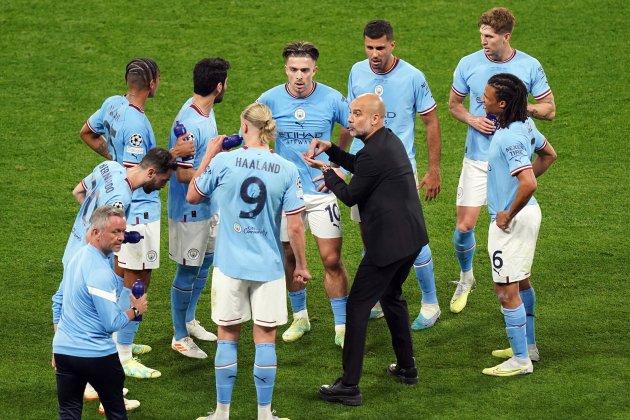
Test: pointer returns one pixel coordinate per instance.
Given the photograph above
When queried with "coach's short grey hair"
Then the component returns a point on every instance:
(101, 216)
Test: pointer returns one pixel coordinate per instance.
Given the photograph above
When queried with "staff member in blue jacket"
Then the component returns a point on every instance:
(83, 349)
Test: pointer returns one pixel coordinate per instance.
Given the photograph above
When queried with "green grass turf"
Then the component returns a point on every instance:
(60, 60)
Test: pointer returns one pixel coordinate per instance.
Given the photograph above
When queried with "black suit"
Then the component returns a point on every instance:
(392, 225)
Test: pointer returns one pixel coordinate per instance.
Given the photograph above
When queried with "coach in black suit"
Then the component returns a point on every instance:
(392, 225)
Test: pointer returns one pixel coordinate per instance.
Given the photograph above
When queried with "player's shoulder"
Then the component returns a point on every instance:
(523, 57)
(361, 66)
(272, 94)
(473, 59)
(326, 91)
(409, 70)
(109, 166)
(115, 100)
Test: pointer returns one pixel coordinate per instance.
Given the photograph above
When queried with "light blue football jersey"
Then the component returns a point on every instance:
(90, 312)
(471, 77)
(300, 120)
(202, 128)
(130, 136)
(252, 188)
(511, 151)
(107, 184)
(405, 92)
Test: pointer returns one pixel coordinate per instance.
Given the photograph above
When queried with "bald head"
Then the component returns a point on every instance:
(367, 113)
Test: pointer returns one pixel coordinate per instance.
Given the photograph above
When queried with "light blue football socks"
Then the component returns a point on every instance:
(515, 328)
(225, 369)
(529, 302)
(464, 248)
(198, 286)
(423, 266)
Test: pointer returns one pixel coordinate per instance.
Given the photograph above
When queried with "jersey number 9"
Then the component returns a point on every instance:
(253, 191)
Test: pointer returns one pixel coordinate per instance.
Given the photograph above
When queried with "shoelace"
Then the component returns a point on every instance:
(460, 286)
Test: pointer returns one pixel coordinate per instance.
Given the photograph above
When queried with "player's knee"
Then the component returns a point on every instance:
(332, 262)
(465, 225)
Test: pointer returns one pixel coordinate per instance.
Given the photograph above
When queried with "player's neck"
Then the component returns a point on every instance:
(390, 63)
(504, 54)
(134, 175)
(137, 98)
(302, 94)
(204, 103)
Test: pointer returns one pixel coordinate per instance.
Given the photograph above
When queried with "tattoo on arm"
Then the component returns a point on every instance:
(101, 148)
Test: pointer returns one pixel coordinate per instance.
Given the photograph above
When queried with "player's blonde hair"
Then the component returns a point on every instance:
(500, 19)
(259, 115)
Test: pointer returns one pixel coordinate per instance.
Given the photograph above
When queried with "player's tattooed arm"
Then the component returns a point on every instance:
(543, 109)
(95, 141)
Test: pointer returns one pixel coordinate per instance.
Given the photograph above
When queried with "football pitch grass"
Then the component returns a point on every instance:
(60, 60)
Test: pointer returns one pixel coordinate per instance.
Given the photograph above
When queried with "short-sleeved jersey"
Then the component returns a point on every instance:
(130, 136)
(471, 77)
(300, 120)
(202, 128)
(90, 312)
(252, 188)
(511, 151)
(107, 184)
(405, 92)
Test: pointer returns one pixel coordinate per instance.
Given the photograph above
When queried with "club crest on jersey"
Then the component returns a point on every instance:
(379, 90)
(237, 227)
(151, 256)
(119, 205)
(193, 253)
(135, 140)
(299, 114)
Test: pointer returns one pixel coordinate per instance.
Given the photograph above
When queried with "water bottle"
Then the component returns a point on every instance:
(132, 237)
(138, 290)
(232, 141)
(494, 120)
(179, 130)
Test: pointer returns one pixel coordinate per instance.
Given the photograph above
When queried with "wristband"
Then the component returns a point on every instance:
(136, 312)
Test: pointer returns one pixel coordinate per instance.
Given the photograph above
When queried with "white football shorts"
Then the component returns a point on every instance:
(236, 301)
(321, 215)
(471, 191)
(188, 242)
(512, 251)
(145, 255)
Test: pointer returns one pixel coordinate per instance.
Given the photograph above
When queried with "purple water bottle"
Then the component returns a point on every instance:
(132, 237)
(494, 120)
(138, 290)
(179, 130)
(232, 141)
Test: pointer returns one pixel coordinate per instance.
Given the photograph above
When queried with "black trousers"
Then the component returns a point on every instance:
(371, 284)
(105, 374)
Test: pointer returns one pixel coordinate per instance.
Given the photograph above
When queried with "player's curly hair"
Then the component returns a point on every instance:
(260, 116)
(500, 19)
(300, 49)
(512, 90)
(208, 73)
(159, 159)
(140, 72)
(375, 29)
